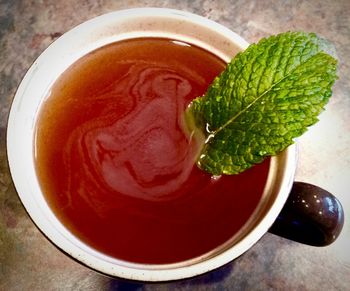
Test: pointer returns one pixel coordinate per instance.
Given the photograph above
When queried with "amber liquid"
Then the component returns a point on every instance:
(116, 166)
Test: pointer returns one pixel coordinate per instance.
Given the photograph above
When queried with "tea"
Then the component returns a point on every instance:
(116, 165)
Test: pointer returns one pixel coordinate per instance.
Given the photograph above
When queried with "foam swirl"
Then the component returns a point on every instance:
(136, 147)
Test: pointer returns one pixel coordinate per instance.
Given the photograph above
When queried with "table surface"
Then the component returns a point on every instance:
(29, 262)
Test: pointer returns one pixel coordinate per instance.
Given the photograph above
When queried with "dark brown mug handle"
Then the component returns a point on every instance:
(311, 216)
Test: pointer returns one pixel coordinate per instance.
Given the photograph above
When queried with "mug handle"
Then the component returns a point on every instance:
(311, 216)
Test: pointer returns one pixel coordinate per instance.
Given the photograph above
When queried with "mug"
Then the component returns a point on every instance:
(287, 208)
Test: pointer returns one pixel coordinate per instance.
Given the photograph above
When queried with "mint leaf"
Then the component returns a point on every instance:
(268, 95)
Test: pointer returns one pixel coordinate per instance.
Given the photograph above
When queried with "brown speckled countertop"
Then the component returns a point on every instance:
(29, 262)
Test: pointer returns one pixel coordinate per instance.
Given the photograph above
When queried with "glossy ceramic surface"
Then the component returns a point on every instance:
(35, 87)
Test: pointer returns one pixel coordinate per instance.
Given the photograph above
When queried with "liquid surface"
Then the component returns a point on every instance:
(116, 166)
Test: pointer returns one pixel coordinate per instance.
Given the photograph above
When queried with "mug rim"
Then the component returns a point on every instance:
(25, 179)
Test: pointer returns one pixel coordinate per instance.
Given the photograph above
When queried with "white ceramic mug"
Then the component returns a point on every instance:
(105, 29)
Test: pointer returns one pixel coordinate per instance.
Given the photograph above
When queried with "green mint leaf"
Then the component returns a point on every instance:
(267, 96)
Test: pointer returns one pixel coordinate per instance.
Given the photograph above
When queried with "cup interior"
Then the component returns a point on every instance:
(35, 88)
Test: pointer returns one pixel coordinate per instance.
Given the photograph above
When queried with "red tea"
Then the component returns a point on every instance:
(116, 166)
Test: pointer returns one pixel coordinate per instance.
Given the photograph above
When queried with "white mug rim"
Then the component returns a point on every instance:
(29, 190)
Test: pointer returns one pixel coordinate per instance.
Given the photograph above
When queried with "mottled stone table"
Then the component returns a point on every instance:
(29, 262)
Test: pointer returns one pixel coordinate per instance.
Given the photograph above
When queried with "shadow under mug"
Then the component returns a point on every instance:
(292, 211)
